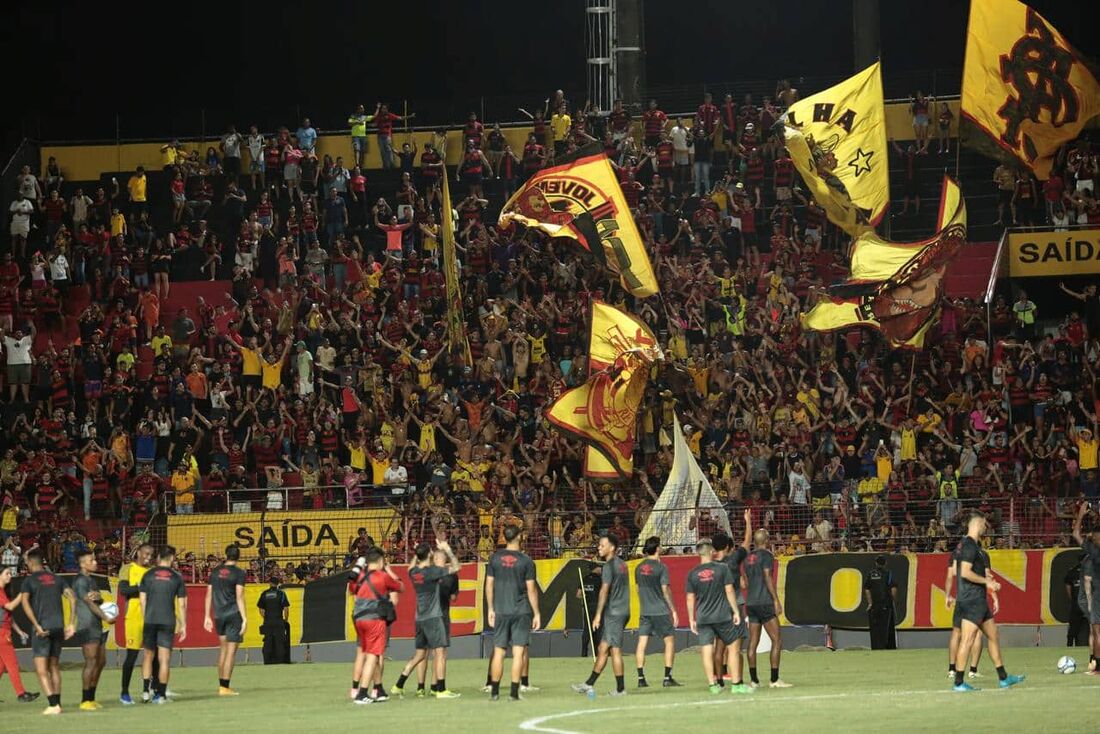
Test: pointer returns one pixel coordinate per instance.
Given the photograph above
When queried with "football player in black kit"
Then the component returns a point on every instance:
(973, 579)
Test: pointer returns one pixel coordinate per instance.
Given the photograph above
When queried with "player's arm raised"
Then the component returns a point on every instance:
(453, 566)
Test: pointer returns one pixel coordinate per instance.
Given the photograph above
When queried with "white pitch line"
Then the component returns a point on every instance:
(536, 723)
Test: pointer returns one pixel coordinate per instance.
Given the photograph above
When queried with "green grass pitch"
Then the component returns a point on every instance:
(850, 691)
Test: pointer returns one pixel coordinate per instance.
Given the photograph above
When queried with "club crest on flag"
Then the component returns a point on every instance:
(1025, 89)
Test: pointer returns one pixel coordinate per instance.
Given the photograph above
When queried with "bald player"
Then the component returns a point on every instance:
(135, 622)
(762, 604)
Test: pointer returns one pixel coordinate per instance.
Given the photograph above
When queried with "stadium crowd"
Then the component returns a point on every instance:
(325, 378)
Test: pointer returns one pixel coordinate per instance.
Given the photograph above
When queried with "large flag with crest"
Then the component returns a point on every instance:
(603, 412)
(1024, 85)
(837, 140)
(896, 287)
(579, 198)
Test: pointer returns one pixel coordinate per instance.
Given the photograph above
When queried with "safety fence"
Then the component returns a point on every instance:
(296, 540)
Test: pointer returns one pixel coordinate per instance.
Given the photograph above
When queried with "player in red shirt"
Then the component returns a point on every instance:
(373, 583)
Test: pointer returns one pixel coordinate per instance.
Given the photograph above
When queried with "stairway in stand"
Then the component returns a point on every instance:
(968, 274)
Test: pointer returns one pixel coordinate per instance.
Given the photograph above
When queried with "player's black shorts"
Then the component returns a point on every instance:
(726, 631)
(432, 634)
(229, 627)
(158, 635)
(90, 635)
(613, 627)
(956, 618)
(512, 630)
(760, 613)
(975, 611)
(656, 626)
(48, 646)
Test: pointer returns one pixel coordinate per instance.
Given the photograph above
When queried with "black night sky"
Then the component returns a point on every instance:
(72, 67)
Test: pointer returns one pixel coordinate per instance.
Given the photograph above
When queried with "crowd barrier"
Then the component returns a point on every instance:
(398, 521)
(87, 161)
(814, 590)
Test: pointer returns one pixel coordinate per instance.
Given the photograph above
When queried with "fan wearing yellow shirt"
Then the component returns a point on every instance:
(427, 442)
(379, 463)
(129, 581)
(1087, 445)
(357, 455)
(136, 187)
(251, 366)
(908, 431)
(884, 463)
(560, 122)
(171, 154)
(272, 372)
(159, 341)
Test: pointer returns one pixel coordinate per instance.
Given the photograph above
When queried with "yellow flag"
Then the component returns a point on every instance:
(837, 140)
(1023, 84)
(896, 287)
(603, 412)
(456, 321)
(581, 199)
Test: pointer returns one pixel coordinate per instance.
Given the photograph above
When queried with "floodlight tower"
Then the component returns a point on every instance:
(615, 50)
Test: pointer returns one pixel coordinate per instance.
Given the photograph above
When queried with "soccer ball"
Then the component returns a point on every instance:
(1067, 665)
(110, 610)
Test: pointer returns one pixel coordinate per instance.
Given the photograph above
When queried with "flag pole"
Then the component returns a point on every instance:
(958, 141)
(587, 618)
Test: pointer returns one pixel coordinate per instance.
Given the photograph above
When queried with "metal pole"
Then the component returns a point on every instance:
(865, 32)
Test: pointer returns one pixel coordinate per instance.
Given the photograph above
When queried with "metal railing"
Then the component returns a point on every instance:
(298, 497)
(829, 521)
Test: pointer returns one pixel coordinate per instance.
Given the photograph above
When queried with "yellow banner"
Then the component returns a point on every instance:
(896, 287)
(1032, 254)
(456, 321)
(837, 140)
(282, 533)
(1023, 84)
(603, 411)
(581, 199)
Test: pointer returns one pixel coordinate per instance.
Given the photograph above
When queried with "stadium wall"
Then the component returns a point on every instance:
(87, 161)
(816, 590)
